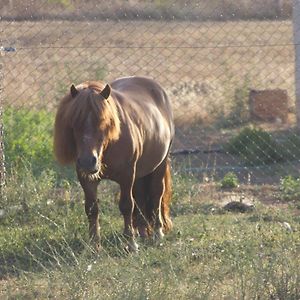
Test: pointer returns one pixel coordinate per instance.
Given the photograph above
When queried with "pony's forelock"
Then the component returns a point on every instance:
(72, 113)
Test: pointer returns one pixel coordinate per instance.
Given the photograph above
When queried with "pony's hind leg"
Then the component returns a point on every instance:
(91, 209)
(140, 218)
(156, 191)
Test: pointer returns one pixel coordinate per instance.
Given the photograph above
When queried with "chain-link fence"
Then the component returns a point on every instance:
(228, 67)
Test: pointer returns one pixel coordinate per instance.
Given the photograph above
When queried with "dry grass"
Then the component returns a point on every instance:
(200, 64)
(141, 9)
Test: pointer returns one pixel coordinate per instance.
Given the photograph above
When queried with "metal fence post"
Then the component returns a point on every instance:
(2, 157)
(296, 29)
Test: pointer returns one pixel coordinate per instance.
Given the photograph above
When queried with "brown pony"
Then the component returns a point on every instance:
(122, 132)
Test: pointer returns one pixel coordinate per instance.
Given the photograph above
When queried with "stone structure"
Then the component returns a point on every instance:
(269, 105)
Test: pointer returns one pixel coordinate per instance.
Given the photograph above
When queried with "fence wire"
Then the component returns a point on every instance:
(227, 66)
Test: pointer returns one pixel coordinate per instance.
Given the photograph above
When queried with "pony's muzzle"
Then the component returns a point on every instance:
(88, 164)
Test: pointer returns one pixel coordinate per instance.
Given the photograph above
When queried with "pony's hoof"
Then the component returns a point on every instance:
(132, 247)
(159, 235)
(95, 245)
(96, 248)
(143, 233)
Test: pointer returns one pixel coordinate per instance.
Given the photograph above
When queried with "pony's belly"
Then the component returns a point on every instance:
(148, 162)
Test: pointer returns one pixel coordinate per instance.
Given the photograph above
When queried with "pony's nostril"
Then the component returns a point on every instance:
(88, 163)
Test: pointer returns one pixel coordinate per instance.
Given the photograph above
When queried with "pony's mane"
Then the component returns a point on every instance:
(73, 112)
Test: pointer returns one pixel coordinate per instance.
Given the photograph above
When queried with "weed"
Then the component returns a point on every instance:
(239, 112)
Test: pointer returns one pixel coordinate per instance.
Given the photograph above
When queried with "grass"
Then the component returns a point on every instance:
(210, 254)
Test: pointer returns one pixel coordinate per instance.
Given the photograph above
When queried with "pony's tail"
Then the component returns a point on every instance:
(166, 199)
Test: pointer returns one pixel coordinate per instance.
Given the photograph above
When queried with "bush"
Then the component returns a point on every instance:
(292, 146)
(290, 188)
(28, 141)
(28, 137)
(230, 180)
(256, 147)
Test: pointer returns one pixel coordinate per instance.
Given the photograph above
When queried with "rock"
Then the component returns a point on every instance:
(2, 213)
(287, 226)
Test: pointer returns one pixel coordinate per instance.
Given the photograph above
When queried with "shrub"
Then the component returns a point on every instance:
(28, 137)
(28, 141)
(230, 180)
(292, 146)
(256, 147)
(290, 188)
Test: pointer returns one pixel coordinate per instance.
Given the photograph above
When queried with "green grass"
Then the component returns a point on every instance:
(44, 250)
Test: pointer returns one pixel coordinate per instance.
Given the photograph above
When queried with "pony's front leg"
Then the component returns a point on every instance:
(91, 209)
(126, 206)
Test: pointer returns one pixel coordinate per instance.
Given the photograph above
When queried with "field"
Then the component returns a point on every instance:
(207, 69)
(210, 254)
(202, 65)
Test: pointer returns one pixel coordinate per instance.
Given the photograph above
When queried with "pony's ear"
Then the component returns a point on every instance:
(105, 92)
(74, 91)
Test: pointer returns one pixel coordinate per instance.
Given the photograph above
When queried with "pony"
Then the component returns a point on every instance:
(123, 132)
